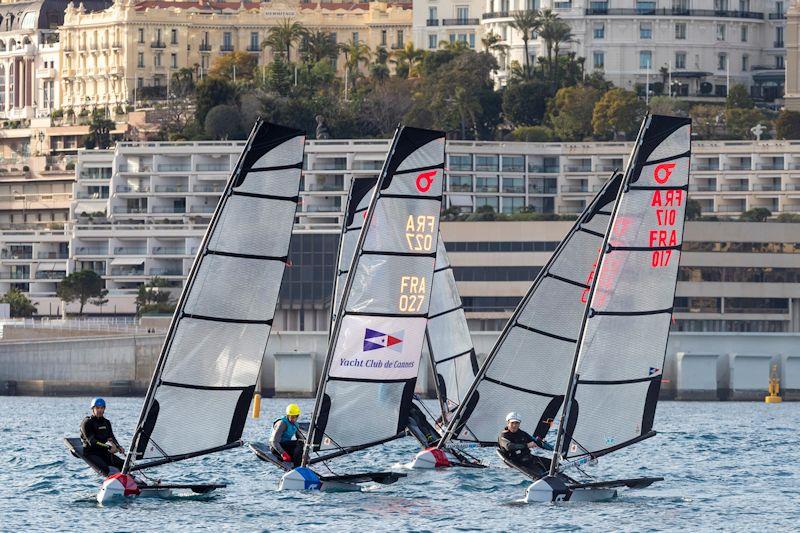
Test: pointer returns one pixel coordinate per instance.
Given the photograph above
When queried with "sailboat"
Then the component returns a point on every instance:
(615, 376)
(371, 368)
(206, 374)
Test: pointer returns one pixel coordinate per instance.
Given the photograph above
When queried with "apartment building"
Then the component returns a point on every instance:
(129, 51)
(447, 21)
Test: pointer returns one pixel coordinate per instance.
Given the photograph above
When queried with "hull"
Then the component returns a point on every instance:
(303, 478)
(435, 458)
(555, 489)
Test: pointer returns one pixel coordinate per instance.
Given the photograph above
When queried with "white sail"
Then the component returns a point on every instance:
(204, 380)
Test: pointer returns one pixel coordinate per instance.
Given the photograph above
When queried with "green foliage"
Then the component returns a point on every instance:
(738, 122)
(788, 217)
(706, 120)
(99, 132)
(212, 92)
(242, 64)
(664, 105)
(693, 210)
(617, 112)
(739, 98)
(283, 35)
(154, 298)
(532, 134)
(81, 286)
(224, 122)
(526, 22)
(279, 77)
(182, 83)
(757, 214)
(21, 306)
(570, 112)
(787, 125)
(525, 102)
(318, 46)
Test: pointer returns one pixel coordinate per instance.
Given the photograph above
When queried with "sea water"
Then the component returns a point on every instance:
(727, 466)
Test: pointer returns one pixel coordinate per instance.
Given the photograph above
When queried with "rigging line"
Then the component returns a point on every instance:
(281, 258)
(613, 248)
(418, 169)
(520, 389)
(659, 187)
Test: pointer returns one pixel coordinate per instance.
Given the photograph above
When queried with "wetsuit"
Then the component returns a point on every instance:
(97, 436)
(281, 441)
(514, 444)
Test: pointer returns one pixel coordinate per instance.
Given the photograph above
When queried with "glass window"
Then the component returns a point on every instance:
(157, 60)
(779, 62)
(462, 13)
(744, 34)
(486, 162)
(680, 30)
(432, 14)
(460, 162)
(680, 6)
(513, 163)
(512, 204)
(432, 41)
(173, 36)
(720, 5)
(680, 60)
(174, 60)
(745, 63)
(644, 7)
(779, 37)
(486, 184)
(140, 60)
(645, 30)
(514, 185)
(472, 40)
(254, 44)
(383, 37)
(491, 201)
(645, 59)
(227, 39)
(722, 61)
(598, 60)
(400, 43)
(599, 31)
(598, 7)
(141, 35)
(720, 32)
(744, 6)
(460, 184)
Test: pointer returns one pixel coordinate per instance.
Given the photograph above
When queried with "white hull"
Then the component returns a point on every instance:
(433, 458)
(552, 489)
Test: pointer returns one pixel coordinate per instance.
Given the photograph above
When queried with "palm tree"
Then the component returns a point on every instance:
(283, 35)
(406, 60)
(318, 45)
(379, 70)
(547, 26)
(490, 41)
(562, 33)
(527, 23)
(355, 53)
(453, 46)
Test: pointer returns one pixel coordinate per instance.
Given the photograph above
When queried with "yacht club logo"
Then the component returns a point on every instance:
(375, 340)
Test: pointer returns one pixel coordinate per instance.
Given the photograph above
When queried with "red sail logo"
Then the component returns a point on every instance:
(662, 172)
(425, 181)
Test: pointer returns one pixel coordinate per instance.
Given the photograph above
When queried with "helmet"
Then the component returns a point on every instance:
(292, 410)
(97, 402)
(513, 417)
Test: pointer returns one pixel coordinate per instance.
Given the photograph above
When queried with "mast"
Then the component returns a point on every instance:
(343, 302)
(573, 380)
(432, 361)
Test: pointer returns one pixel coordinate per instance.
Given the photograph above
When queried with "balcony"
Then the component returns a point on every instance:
(179, 167)
(665, 12)
(212, 167)
(122, 210)
(767, 187)
(130, 250)
(496, 15)
(702, 188)
(171, 188)
(734, 187)
(51, 274)
(168, 250)
(537, 169)
(777, 44)
(777, 16)
(571, 209)
(730, 209)
(158, 44)
(169, 209)
(83, 195)
(129, 188)
(574, 188)
(581, 168)
(550, 189)
(202, 208)
(16, 275)
(208, 188)
(460, 22)
(205, 47)
(91, 250)
(226, 48)
(16, 255)
(127, 272)
(52, 255)
(251, 48)
(166, 272)
(432, 22)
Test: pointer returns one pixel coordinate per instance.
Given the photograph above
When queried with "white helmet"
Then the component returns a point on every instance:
(513, 417)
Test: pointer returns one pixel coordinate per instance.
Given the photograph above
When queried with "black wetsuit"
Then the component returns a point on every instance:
(97, 435)
(515, 446)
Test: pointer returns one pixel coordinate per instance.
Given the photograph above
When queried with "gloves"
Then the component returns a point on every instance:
(286, 457)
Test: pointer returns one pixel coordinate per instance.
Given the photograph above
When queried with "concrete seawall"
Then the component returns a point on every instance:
(123, 364)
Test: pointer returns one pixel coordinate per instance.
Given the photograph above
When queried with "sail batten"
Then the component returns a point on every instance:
(206, 374)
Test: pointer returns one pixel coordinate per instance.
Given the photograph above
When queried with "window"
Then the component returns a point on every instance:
(598, 7)
(680, 6)
(491, 201)
(452, 38)
(383, 37)
(227, 42)
(645, 59)
(513, 163)
(515, 205)
(486, 162)
(744, 6)
(173, 39)
(173, 60)
(157, 60)
(745, 63)
(645, 30)
(141, 34)
(460, 162)
(744, 34)
(486, 184)
(720, 32)
(779, 62)
(139, 83)
(400, 43)
(355, 37)
(460, 184)
(472, 40)
(722, 61)
(462, 12)
(513, 185)
(720, 5)
(779, 8)
(432, 38)
(140, 60)
(532, 5)
(599, 31)
(680, 30)
(158, 35)
(254, 44)
(645, 7)
(680, 60)
(598, 60)
(779, 37)
(433, 14)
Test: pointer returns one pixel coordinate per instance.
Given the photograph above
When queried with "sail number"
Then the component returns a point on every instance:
(419, 232)
(665, 203)
(413, 290)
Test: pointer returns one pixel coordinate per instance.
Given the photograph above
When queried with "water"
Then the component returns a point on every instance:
(728, 466)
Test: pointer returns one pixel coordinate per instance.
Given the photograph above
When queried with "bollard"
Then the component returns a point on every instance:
(774, 387)
(256, 405)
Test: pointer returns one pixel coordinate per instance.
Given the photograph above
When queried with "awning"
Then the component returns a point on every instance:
(49, 267)
(776, 76)
(689, 74)
(127, 261)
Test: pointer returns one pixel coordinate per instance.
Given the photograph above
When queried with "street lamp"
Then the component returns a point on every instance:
(41, 141)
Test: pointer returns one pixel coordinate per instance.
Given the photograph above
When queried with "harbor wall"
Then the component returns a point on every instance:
(123, 364)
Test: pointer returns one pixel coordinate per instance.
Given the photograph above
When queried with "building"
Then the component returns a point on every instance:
(129, 51)
(447, 21)
(793, 57)
(702, 46)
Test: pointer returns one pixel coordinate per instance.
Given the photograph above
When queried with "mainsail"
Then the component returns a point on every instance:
(528, 368)
(449, 343)
(204, 380)
(373, 359)
(619, 364)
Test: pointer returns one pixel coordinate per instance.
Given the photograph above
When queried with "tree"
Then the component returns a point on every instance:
(617, 111)
(560, 32)
(532, 134)
(787, 125)
(279, 77)
(524, 103)
(283, 35)
(317, 46)
(355, 53)
(212, 92)
(21, 306)
(664, 105)
(154, 297)
(738, 98)
(379, 70)
(182, 83)
(693, 210)
(706, 120)
(570, 112)
(234, 66)
(757, 214)
(99, 131)
(224, 122)
(81, 286)
(407, 60)
(738, 122)
(526, 22)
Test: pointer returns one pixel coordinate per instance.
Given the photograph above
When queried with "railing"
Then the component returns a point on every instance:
(460, 168)
(16, 255)
(738, 187)
(543, 169)
(83, 195)
(577, 169)
(128, 188)
(162, 209)
(251, 48)
(52, 255)
(163, 250)
(171, 188)
(513, 189)
(127, 250)
(792, 187)
(737, 167)
(15, 275)
(91, 250)
(311, 187)
(574, 188)
(205, 47)
(226, 48)
(777, 16)
(706, 168)
(777, 44)
(460, 188)
(514, 168)
(127, 272)
(202, 208)
(432, 22)
(730, 209)
(51, 274)
(158, 45)
(543, 190)
(460, 22)
(616, 12)
(321, 208)
(496, 15)
(208, 188)
(768, 187)
(129, 210)
(165, 272)
(211, 167)
(570, 209)
(702, 188)
(179, 167)
(484, 188)
(757, 310)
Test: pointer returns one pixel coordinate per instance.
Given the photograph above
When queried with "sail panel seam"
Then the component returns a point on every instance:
(292, 199)
(279, 167)
(400, 254)
(632, 313)
(281, 258)
(617, 381)
(229, 320)
(665, 159)
(202, 387)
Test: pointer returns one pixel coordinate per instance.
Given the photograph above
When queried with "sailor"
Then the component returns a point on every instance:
(99, 442)
(286, 441)
(517, 444)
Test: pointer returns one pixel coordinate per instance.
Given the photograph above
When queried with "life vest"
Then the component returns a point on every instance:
(290, 431)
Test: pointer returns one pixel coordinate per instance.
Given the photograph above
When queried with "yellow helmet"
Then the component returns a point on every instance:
(292, 410)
